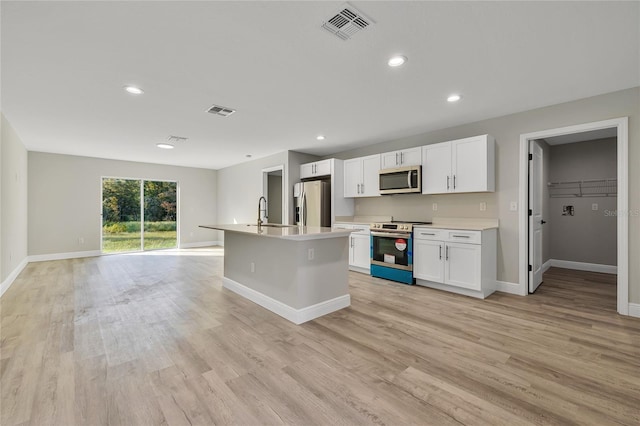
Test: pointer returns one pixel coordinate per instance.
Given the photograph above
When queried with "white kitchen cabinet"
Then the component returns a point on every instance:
(361, 176)
(360, 251)
(359, 247)
(402, 158)
(459, 261)
(317, 168)
(463, 165)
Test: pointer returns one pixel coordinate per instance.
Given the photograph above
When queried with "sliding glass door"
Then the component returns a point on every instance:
(138, 215)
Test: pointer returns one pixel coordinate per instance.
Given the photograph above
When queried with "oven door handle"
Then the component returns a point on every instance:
(389, 234)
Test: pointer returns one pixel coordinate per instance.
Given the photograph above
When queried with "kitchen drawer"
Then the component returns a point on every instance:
(470, 237)
(429, 234)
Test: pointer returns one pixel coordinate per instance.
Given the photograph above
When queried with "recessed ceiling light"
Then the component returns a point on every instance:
(134, 90)
(397, 60)
(454, 98)
(164, 145)
(320, 137)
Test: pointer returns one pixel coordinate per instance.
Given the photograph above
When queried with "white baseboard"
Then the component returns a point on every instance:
(61, 256)
(507, 287)
(365, 271)
(200, 244)
(634, 310)
(296, 316)
(546, 265)
(582, 266)
(12, 276)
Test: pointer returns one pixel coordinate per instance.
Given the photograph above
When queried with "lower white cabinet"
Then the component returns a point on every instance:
(360, 250)
(359, 247)
(459, 261)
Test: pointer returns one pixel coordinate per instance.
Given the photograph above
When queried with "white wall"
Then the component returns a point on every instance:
(13, 202)
(507, 131)
(240, 188)
(65, 200)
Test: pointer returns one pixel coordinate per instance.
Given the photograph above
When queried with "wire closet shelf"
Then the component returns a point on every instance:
(584, 188)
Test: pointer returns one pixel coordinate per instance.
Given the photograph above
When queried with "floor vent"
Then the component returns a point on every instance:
(220, 110)
(346, 22)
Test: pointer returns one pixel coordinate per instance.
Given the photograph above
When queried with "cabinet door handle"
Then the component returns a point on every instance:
(427, 233)
(447, 182)
(397, 159)
(440, 252)
(461, 236)
(454, 181)
(362, 188)
(351, 242)
(357, 188)
(446, 253)
(401, 158)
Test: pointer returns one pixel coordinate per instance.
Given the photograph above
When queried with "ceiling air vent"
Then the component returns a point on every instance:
(220, 110)
(172, 138)
(346, 22)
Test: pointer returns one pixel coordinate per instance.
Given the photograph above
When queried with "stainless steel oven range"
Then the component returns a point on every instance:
(392, 250)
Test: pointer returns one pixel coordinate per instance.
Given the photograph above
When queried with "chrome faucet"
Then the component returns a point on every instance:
(261, 210)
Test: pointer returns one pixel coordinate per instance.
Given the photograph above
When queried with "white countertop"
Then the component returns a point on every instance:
(298, 233)
(462, 224)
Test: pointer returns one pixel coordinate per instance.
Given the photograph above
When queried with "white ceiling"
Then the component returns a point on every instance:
(64, 65)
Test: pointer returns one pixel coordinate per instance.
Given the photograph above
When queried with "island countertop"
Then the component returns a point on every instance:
(290, 232)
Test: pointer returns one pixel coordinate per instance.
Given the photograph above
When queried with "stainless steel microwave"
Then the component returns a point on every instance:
(402, 180)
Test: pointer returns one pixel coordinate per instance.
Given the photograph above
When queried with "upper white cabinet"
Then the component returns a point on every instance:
(463, 165)
(318, 168)
(403, 158)
(361, 176)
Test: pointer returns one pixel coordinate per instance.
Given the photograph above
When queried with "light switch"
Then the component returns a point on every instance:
(435, 207)
(594, 206)
(513, 206)
(483, 206)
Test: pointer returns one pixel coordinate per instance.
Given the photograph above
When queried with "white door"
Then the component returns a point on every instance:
(428, 260)
(469, 165)
(352, 177)
(463, 265)
(370, 179)
(436, 168)
(361, 251)
(536, 221)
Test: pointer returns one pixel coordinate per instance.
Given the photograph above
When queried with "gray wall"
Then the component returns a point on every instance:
(65, 204)
(507, 131)
(13, 200)
(588, 236)
(274, 198)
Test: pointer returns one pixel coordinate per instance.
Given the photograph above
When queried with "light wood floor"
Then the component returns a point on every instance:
(154, 339)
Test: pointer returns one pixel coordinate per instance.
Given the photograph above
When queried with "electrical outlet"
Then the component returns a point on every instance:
(513, 206)
(253, 267)
(435, 207)
(311, 254)
(483, 206)
(594, 206)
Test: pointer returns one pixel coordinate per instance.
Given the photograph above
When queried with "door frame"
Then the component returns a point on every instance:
(285, 185)
(622, 129)
(142, 180)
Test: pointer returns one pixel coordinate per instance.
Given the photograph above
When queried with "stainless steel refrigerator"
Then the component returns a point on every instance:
(312, 203)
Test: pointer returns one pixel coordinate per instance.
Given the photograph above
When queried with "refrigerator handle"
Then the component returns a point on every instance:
(304, 209)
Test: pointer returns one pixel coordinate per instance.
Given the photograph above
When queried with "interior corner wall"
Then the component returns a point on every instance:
(13, 204)
(507, 130)
(589, 236)
(65, 200)
(240, 187)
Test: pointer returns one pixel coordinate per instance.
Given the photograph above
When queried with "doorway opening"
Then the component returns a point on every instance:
(592, 196)
(138, 215)
(273, 189)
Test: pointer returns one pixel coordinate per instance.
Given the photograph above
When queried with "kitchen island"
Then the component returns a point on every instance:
(299, 273)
